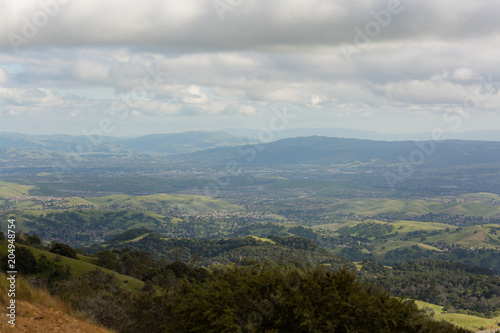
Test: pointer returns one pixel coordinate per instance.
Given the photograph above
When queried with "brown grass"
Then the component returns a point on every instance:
(27, 292)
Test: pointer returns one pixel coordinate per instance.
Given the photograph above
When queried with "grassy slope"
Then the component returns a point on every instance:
(416, 207)
(477, 236)
(32, 215)
(14, 190)
(122, 201)
(82, 266)
(463, 320)
(164, 201)
(263, 239)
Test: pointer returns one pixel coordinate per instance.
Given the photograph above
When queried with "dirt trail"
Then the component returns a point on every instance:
(35, 318)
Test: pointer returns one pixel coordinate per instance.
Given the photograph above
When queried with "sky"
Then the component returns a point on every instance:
(129, 68)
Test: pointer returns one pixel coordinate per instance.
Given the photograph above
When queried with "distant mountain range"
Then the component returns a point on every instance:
(156, 143)
(219, 148)
(323, 151)
(188, 142)
(365, 135)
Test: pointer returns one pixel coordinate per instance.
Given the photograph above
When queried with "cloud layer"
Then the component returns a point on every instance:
(228, 63)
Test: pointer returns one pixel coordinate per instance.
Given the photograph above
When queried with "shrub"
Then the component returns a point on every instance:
(64, 250)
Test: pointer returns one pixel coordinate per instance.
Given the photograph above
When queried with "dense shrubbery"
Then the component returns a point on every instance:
(63, 250)
(226, 251)
(98, 296)
(251, 297)
(287, 299)
(367, 230)
(459, 287)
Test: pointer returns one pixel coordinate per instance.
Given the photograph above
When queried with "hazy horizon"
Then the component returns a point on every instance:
(253, 134)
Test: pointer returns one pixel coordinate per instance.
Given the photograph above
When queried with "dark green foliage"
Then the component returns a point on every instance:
(293, 300)
(32, 240)
(255, 297)
(142, 265)
(25, 261)
(106, 259)
(288, 248)
(85, 226)
(64, 250)
(368, 230)
(297, 242)
(261, 230)
(303, 232)
(181, 270)
(460, 287)
(355, 253)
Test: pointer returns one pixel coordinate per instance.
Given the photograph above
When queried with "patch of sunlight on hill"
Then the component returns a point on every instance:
(408, 226)
(481, 195)
(178, 201)
(462, 320)
(138, 238)
(14, 190)
(397, 244)
(414, 207)
(109, 200)
(477, 236)
(262, 239)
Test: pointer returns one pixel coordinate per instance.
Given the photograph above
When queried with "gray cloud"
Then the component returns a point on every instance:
(427, 58)
(253, 24)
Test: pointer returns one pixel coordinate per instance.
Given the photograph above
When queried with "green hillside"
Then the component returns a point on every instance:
(458, 319)
(81, 227)
(226, 251)
(8, 189)
(164, 201)
(11, 197)
(79, 267)
(409, 233)
(413, 207)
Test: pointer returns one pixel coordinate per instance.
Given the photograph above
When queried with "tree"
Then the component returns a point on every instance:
(106, 259)
(294, 300)
(25, 261)
(63, 250)
(33, 240)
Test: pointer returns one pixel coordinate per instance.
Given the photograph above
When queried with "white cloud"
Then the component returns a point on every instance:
(464, 74)
(25, 97)
(193, 95)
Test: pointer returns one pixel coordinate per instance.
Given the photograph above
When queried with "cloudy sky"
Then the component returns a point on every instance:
(159, 66)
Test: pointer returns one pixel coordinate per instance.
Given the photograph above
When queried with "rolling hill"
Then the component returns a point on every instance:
(324, 151)
(155, 143)
(414, 207)
(83, 265)
(226, 251)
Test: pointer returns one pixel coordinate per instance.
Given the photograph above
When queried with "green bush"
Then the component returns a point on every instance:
(293, 300)
(64, 250)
